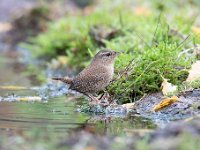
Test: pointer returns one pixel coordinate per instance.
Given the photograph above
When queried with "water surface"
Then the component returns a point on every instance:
(57, 113)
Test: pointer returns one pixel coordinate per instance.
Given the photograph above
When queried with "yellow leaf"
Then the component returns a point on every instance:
(194, 73)
(168, 88)
(166, 102)
(12, 87)
(30, 98)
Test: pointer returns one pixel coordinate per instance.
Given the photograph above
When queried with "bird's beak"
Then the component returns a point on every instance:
(118, 53)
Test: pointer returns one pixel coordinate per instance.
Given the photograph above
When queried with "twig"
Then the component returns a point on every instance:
(181, 43)
(140, 75)
(124, 72)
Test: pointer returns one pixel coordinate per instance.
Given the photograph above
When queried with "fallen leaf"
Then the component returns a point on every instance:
(194, 73)
(30, 98)
(166, 102)
(168, 88)
(12, 87)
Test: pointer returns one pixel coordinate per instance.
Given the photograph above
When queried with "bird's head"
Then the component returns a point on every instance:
(105, 57)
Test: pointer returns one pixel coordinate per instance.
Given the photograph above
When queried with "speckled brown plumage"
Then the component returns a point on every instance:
(96, 76)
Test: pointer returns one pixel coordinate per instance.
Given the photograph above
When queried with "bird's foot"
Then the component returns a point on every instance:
(94, 103)
(93, 100)
(105, 100)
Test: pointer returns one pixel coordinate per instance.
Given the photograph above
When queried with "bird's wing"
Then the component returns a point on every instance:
(90, 81)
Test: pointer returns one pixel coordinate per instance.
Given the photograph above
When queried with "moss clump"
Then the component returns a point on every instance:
(149, 42)
(149, 67)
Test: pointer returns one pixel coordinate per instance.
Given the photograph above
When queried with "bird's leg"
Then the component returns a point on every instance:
(94, 99)
(105, 99)
(105, 95)
(102, 95)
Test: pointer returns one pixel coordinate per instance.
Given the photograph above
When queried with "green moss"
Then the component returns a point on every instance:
(149, 65)
(148, 40)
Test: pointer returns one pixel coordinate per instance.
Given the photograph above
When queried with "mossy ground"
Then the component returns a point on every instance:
(152, 35)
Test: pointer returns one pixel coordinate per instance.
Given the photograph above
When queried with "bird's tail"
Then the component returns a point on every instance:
(64, 79)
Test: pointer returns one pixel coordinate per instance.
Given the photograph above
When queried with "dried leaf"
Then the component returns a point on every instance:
(194, 73)
(166, 102)
(168, 88)
(12, 87)
(30, 98)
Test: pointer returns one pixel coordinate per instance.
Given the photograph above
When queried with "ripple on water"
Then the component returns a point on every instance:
(55, 115)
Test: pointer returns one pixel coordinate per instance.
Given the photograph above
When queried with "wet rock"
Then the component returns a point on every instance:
(186, 107)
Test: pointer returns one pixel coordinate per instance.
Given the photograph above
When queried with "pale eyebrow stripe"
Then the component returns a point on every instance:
(104, 53)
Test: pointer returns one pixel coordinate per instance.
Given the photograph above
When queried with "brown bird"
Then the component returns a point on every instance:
(95, 77)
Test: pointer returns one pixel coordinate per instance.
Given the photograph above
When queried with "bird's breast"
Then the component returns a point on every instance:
(110, 69)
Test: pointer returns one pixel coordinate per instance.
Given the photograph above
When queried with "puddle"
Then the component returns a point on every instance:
(55, 112)
(54, 115)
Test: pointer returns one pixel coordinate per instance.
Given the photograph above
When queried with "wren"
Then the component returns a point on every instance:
(95, 77)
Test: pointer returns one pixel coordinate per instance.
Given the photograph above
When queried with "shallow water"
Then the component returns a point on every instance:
(56, 112)
(54, 115)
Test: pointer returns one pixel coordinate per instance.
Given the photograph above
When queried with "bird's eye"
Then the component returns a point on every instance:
(108, 54)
